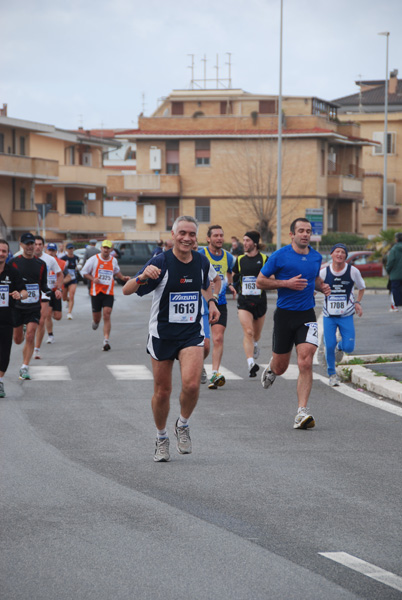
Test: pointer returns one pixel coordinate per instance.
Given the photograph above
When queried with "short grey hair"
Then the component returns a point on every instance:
(184, 218)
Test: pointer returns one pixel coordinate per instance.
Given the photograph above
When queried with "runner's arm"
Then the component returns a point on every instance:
(320, 286)
(270, 283)
(149, 272)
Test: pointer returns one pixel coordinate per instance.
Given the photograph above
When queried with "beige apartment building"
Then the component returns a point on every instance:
(367, 108)
(46, 170)
(213, 154)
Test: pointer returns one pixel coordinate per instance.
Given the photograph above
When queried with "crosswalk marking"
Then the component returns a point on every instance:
(143, 373)
(361, 566)
(130, 372)
(50, 373)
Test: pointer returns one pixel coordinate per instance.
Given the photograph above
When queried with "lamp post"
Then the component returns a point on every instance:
(279, 173)
(385, 144)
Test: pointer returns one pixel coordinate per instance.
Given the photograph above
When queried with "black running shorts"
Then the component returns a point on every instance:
(169, 349)
(223, 319)
(23, 317)
(293, 327)
(257, 309)
(101, 300)
(55, 304)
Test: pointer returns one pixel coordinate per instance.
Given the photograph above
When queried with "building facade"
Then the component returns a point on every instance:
(52, 181)
(213, 154)
(367, 107)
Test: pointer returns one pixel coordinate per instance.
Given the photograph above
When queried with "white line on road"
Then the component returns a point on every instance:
(130, 372)
(361, 566)
(50, 373)
(362, 397)
(293, 373)
(320, 324)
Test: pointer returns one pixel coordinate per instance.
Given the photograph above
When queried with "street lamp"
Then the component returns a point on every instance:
(279, 174)
(385, 144)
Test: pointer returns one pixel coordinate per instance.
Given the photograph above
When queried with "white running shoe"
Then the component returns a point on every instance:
(334, 380)
(162, 450)
(183, 439)
(204, 376)
(24, 373)
(303, 419)
(106, 345)
(37, 353)
(69, 316)
(50, 339)
(256, 352)
(338, 354)
(267, 377)
(95, 325)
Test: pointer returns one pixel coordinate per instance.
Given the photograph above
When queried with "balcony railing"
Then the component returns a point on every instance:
(345, 170)
(78, 174)
(14, 165)
(146, 182)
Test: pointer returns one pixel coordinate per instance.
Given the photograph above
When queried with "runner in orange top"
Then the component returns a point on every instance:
(101, 269)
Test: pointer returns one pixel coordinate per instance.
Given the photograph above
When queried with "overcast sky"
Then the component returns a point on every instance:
(89, 62)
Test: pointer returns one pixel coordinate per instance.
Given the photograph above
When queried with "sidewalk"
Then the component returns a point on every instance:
(378, 334)
(379, 378)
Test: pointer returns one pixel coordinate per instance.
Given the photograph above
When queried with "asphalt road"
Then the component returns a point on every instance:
(87, 514)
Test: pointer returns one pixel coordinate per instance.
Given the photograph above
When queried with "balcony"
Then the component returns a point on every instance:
(83, 176)
(14, 165)
(345, 181)
(145, 184)
(89, 224)
(26, 220)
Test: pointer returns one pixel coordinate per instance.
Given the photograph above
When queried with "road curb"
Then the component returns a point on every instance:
(378, 384)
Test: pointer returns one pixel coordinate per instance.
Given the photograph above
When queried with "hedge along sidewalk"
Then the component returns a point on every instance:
(367, 379)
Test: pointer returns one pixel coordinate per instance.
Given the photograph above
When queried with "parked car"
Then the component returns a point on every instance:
(132, 254)
(363, 261)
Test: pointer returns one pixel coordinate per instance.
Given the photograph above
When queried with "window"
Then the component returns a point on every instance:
(202, 153)
(203, 210)
(1, 142)
(267, 107)
(23, 194)
(22, 146)
(172, 157)
(391, 194)
(86, 159)
(322, 162)
(226, 107)
(177, 108)
(70, 155)
(378, 136)
(172, 212)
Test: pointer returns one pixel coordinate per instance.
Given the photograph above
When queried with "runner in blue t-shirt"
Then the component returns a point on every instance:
(296, 269)
(176, 278)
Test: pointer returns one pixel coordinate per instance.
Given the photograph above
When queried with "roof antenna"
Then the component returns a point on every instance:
(229, 63)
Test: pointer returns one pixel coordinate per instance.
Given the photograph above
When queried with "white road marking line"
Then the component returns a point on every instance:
(361, 566)
(49, 373)
(293, 373)
(320, 323)
(129, 372)
(362, 397)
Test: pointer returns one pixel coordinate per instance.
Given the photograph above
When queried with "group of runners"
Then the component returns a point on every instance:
(189, 310)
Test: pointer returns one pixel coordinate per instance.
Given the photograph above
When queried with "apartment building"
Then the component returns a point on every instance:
(56, 174)
(367, 107)
(213, 154)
